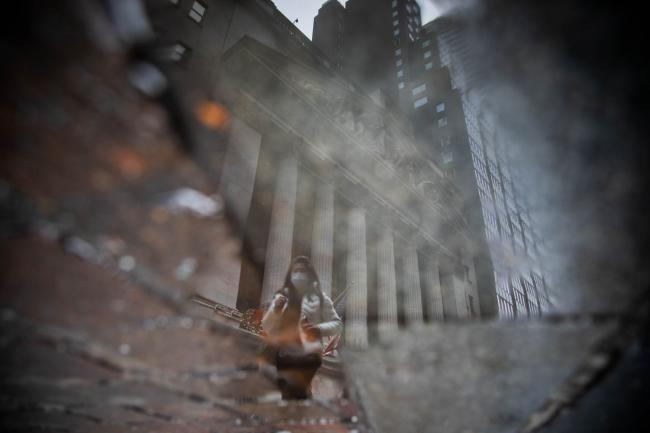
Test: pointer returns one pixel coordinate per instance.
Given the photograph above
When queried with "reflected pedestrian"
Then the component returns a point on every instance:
(299, 317)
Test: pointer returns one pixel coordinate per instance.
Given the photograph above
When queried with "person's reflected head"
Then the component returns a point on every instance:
(301, 279)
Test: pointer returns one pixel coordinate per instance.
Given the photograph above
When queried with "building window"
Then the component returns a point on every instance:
(401, 85)
(395, 13)
(484, 196)
(428, 66)
(394, 3)
(427, 54)
(177, 52)
(442, 122)
(398, 63)
(398, 52)
(400, 74)
(447, 157)
(174, 2)
(426, 43)
(395, 23)
(197, 12)
(440, 107)
(420, 102)
(481, 181)
(419, 89)
(396, 32)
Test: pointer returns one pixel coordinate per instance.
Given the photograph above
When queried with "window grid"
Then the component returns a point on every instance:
(491, 226)
(506, 309)
(482, 183)
(479, 167)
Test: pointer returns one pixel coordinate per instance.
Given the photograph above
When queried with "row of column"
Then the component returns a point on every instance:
(278, 257)
(386, 285)
(238, 179)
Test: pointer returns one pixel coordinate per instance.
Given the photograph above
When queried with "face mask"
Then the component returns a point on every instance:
(300, 280)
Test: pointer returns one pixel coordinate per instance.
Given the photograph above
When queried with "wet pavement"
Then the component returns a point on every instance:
(100, 256)
(86, 350)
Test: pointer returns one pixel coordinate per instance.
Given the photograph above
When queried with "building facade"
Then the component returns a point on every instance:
(435, 110)
(314, 166)
(369, 41)
(328, 31)
(193, 35)
(515, 245)
(431, 75)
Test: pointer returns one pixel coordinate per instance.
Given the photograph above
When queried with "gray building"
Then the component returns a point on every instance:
(369, 39)
(328, 31)
(431, 74)
(314, 166)
(515, 246)
(435, 110)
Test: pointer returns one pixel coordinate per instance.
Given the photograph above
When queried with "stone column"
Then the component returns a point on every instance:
(278, 247)
(356, 306)
(431, 274)
(386, 285)
(452, 295)
(236, 186)
(322, 242)
(413, 293)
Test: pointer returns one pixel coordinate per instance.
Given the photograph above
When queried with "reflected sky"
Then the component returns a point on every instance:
(306, 10)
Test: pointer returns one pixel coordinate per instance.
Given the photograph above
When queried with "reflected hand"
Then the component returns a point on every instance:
(312, 332)
(278, 303)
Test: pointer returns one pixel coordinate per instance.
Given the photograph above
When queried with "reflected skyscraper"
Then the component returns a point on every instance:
(430, 73)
